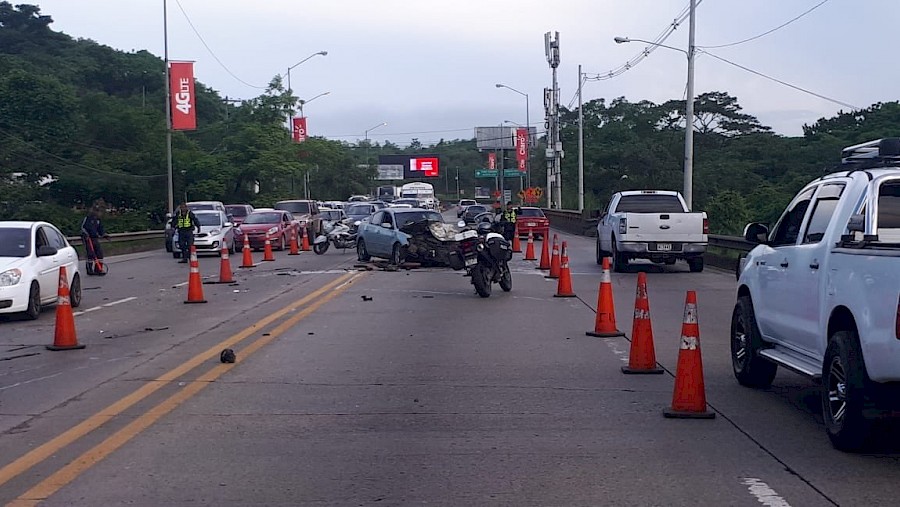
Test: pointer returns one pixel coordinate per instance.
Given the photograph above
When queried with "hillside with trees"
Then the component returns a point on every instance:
(80, 121)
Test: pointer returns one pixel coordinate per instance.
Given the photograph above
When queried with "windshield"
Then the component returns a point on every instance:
(209, 218)
(200, 207)
(15, 242)
(649, 203)
(410, 217)
(411, 202)
(467, 202)
(263, 218)
(236, 211)
(475, 209)
(331, 215)
(530, 212)
(298, 208)
(361, 209)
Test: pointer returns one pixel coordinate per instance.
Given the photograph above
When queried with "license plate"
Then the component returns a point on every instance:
(665, 247)
(471, 262)
(531, 224)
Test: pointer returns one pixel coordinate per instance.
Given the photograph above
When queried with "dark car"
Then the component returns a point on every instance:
(360, 211)
(238, 212)
(472, 211)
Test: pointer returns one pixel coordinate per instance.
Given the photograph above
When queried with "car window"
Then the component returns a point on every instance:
(889, 205)
(40, 239)
(387, 219)
(201, 207)
(300, 207)
(649, 203)
(360, 209)
(262, 218)
(826, 201)
(410, 217)
(14, 242)
(237, 211)
(209, 219)
(54, 238)
(377, 217)
(530, 212)
(788, 228)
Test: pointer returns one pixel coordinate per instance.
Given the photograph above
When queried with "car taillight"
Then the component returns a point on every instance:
(623, 225)
(705, 226)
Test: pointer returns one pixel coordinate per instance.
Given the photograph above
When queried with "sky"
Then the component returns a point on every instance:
(429, 69)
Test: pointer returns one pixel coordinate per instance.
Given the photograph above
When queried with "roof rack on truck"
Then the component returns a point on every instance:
(879, 151)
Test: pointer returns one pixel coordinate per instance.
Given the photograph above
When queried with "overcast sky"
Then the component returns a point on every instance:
(428, 68)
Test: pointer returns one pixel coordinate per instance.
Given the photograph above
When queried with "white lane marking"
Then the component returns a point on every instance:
(764, 494)
(114, 303)
(613, 344)
(106, 305)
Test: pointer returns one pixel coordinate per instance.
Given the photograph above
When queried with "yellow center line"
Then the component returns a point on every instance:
(54, 445)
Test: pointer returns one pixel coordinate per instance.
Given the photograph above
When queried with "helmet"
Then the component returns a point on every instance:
(484, 228)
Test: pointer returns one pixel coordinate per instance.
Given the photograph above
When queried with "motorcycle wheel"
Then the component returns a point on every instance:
(505, 278)
(481, 278)
(320, 248)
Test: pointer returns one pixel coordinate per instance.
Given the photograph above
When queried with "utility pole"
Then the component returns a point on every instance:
(689, 117)
(554, 152)
(169, 180)
(580, 145)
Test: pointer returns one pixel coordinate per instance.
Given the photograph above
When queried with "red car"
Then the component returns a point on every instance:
(238, 212)
(276, 224)
(532, 220)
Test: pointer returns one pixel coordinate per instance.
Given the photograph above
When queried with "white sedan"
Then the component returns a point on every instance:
(215, 231)
(31, 254)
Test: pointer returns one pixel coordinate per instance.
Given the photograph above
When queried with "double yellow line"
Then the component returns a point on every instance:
(79, 465)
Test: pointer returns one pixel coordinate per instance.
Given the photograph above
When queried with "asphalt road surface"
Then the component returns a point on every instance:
(400, 388)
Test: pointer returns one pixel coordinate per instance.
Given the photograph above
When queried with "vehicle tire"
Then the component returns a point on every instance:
(281, 243)
(505, 278)
(482, 281)
(619, 262)
(750, 369)
(34, 302)
(695, 264)
(75, 291)
(398, 255)
(361, 253)
(320, 248)
(844, 382)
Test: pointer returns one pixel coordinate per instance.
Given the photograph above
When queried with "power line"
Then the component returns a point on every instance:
(211, 51)
(823, 2)
(789, 85)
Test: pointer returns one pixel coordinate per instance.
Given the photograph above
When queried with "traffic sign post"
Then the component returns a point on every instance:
(507, 173)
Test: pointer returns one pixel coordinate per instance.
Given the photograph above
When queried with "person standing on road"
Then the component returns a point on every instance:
(91, 232)
(508, 219)
(185, 221)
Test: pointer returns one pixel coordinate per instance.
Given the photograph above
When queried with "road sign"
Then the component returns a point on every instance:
(485, 173)
(508, 173)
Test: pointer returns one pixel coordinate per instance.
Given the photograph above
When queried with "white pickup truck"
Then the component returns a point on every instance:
(651, 224)
(819, 293)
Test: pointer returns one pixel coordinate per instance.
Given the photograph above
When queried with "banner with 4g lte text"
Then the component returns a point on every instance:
(181, 82)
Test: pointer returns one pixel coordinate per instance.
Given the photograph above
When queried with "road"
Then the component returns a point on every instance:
(400, 388)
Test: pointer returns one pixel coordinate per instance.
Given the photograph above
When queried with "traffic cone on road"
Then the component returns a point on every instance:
(64, 336)
(554, 260)
(529, 249)
(267, 250)
(195, 281)
(642, 358)
(545, 254)
(689, 396)
(295, 249)
(305, 245)
(605, 323)
(517, 245)
(225, 275)
(564, 286)
(248, 254)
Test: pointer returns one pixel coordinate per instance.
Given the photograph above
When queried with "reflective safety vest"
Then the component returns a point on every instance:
(510, 215)
(184, 221)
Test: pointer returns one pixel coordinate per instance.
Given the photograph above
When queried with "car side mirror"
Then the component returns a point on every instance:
(229, 224)
(386, 225)
(756, 233)
(46, 251)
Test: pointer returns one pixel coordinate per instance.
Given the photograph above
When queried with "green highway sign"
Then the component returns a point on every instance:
(488, 173)
(485, 173)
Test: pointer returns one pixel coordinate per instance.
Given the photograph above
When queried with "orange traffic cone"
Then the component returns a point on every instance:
(267, 251)
(564, 286)
(689, 396)
(605, 323)
(517, 245)
(295, 250)
(64, 337)
(305, 245)
(642, 358)
(554, 260)
(225, 275)
(545, 254)
(195, 282)
(248, 254)
(529, 249)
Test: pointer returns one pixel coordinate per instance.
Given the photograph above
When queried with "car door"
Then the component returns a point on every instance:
(47, 266)
(373, 236)
(772, 303)
(68, 255)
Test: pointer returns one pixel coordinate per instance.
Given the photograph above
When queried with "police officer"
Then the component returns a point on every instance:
(91, 232)
(508, 219)
(185, 221)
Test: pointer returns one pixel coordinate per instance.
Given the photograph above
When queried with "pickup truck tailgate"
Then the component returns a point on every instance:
(666, 227)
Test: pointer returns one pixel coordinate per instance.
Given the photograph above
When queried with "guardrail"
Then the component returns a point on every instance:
(125, 237)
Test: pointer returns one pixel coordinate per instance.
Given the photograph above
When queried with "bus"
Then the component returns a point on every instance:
(422, 191)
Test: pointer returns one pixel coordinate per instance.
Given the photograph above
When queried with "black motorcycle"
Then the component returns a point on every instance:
(485, 256)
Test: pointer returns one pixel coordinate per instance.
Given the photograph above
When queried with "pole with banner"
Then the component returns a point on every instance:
(299, 129)
(181, 82)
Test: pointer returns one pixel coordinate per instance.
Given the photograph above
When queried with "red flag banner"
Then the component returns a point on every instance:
(181, 81)
(492, 161)
(521, 148)
(299, 124)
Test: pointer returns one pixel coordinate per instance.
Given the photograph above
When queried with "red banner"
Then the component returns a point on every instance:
(522, 148)
(181, 81)
(299, 124)
(492, 161)
(428, 166)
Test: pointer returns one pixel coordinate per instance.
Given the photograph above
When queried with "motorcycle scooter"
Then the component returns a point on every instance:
(484, 254)
(339, 234)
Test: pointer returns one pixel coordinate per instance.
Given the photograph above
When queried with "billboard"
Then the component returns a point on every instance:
(414, 166)
(500, 138)
(389, 172)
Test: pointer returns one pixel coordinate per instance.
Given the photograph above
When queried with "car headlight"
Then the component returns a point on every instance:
(10, 277)
(273, 230)
(214, 232)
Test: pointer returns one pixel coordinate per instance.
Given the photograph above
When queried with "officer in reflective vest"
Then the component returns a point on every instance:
(508, 219)
(185, 221)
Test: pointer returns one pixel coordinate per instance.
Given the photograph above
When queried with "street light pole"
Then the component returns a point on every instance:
(527, 128)
(688, 190)
(169, 179)
(322, 53)
(580, 145)
(303, 102)
(382, 124)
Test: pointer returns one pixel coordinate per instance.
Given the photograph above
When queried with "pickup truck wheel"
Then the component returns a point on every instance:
(843, 391)
(619, 262)
(750, 369)
(361, 253)
(695, 264)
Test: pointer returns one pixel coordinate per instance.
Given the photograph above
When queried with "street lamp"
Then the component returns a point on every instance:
(307, 101)
(528, 129)
(382, 124)
(688, 191)
(323, 53)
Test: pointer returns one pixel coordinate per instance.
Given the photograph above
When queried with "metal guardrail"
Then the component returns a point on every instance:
(125, 237)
